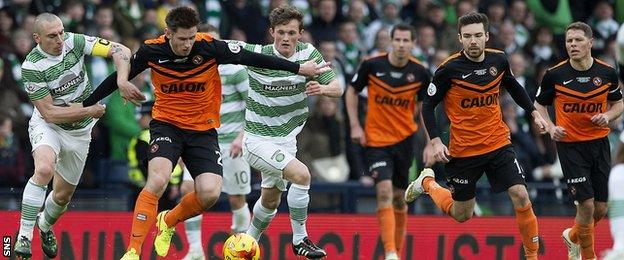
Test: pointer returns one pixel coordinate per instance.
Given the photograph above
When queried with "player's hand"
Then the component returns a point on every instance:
(310, 68)
(542, 126)
(439, 150)
(357, 135)
(600, 120)
(236, 147)
(97, 110)
(313, 88)
(129, 92)
(557, 132)
(428, 158)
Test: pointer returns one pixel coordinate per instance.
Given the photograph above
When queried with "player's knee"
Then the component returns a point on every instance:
(303, 177)
(45, 170)
(463, 217)
(62, 197)
(519, 196)
(187, 187)
(398, 202)
(384, 195)
(236, 201)
(271, 203)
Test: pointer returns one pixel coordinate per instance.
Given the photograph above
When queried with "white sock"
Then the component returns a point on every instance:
(51, 213)
(261, 219)
(616, 206)
(241, 219)
(32, 200)
(192, 226)
(298, 200)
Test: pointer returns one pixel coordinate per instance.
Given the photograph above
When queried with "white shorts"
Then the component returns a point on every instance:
(70, 147)
(236, 174)
(270, 159)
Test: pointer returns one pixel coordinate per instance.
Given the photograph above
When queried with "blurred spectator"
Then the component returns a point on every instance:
(322, 135)
(73, 17)
(440, 56)
(543, 47)
(330, 54)
(131, 11)
(324, 25)
(605, 27)
(496, 14)
(357, 13)
(446, 34)
(382, 42)
(425, 44)
(518, 15)
(554, 14)
(248, 17)
(462, 7)
(349, 49)
(390, 17)
(505, 39)
(12, 168)
(7, 25)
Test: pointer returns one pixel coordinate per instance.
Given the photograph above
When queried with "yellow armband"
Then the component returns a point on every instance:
(101, 48)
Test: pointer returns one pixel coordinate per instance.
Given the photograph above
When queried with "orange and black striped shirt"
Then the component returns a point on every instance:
(470, 91)
(392, 95)
(579, 95)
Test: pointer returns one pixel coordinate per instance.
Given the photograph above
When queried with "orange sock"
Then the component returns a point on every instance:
(585, 233)
(574, 231)
(188, 207)
(143, 219)
(527, 223)
(440, 196)
(400, 224)
(386, 225)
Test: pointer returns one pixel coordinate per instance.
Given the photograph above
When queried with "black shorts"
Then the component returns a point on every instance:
(391, 162)
(199, 149)
(500, 166)
(586, 166)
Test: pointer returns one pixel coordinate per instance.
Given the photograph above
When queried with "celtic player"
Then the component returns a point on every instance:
(277, 109)
(60, 127)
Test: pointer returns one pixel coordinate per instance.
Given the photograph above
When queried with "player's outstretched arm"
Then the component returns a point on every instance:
(66, 114)
(332, 89)
(121, 57)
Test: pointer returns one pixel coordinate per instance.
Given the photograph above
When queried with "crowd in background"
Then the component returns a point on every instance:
(344, 31)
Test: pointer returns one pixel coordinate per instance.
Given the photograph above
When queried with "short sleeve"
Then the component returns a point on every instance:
(360, 79)
(34, 82)
(546, 91)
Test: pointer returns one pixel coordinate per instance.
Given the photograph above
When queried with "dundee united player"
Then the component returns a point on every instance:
(277, 109)
(187, 86)
(469, 84)
(395, 82)
(60, 129)
(586, 96)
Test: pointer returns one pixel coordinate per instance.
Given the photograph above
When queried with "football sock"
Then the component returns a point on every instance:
(440, 196)
(616, 208)
(585, 234)
(143, 219)
(261, 219)
(192, 227)
(188, 207)
(32, 200)
(241, 219)
(400, 223)
(387, 228)
(527, 223)
(51, 213)
(298, 200)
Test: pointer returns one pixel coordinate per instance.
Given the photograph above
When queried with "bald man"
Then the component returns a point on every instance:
(60, 127)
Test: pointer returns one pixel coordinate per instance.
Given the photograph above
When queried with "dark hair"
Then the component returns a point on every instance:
(285, 13)
(182, 17)
(581, 26)
(472, 18)
(404, 27)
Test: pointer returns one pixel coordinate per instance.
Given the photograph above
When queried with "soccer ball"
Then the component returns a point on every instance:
(241, 247)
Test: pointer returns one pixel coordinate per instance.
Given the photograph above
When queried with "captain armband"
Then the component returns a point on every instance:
(101, 47)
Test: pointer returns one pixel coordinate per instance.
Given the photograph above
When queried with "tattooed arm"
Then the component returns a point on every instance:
(121, 57)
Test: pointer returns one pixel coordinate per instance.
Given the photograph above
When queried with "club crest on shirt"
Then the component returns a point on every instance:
(493, 71)
(410, 77)
(597, 81)
(432, 89)
(154, 148)
(198, 59)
